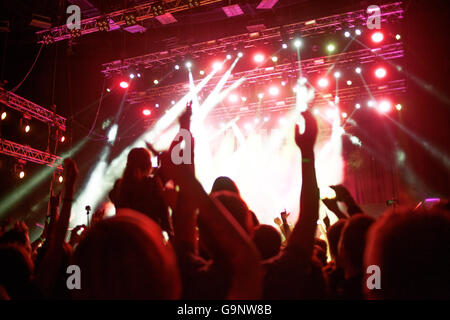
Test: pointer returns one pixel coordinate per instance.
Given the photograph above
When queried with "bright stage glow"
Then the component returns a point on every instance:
(4, 115)
(260, 95)
(27, 128)
(297, 43)
(229, 57)
(146, 112)
(63, 138)
(349, 82)
(377, 37)
(316, 111)
(188, 64)
(398, 106)
(131, 75)
(331, 47)
(202, 72)
(357, 106)
(358, 70)
(244, 99)
(108, 89)
(398, 37)
(370, 103)
(380, 73)
(337, 74)
(347, 34)
(177, 67)
(21, 174)
(384, 106)
(274, 58)
(240, 54)
(233, 98)
(217, 65)
(323, 82)
(60, 179)
(284, 46)
(258, 58)
(123, 84)
(344, 115)
(155, 81)
(112, 133)
(266, 119)
(358, 32)
(274, 91)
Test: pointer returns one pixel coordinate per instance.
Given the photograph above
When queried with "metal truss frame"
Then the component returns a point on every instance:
(32, 109)
(142, 12)
(283, 71)
(389, 13)
(29, 154)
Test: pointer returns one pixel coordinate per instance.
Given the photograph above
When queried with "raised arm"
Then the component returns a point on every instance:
(302, 237)
(224, 234)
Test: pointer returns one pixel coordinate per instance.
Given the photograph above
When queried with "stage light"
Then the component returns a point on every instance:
(202, 72)
(260, 95)
(123, 84)
(303, 80)
(282, 121)
(357, 106)
(297, 43)
(266, 119)
(188, 64)
(243, 99)
(130, 19)
(380, 73)
(349, 82)
(256, 120)
(240, 54)
(172, 102)
(27, 128)
(146, 112)
(177, 67)
(157, 105)
(193, 3)
(398, 37)
(384, 106)
(331, 113)
(337, 74)
(283, 83)
(331, 47)
(274, 59)
(258, 58)
(21, 174)
(344, 115)
(358, 32)
(274, 91)
(347, 34)
(229, 57)
(4, 115)
(131, 75)
(217, 65)
(358, 70)
(284, 46)
(323, 82)
(158, 8)
(138, 75)
(377, 37)
(155, 81)
(62, 139)
(398, 106)
(102, 24)
(60, 179)
(370, 103)
(233, 98)
(316, 111)
(108, 90)
(248, 126)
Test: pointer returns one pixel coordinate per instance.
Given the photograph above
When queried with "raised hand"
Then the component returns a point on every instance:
(185, 118)
(70, 172)
(342, 194)
(307, 140)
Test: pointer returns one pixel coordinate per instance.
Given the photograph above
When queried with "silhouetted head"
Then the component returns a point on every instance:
(237, 207)
(412, 250)
(16, 269)
(139, 163)
(224, 184)
(352, 243)
(268, 241)
(18, 237)
(334, 234)
(126, 257)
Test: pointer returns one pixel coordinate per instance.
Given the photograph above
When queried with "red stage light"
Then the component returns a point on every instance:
(123, 84)
(146, 112)
(258, 58)
(384, 106)
(377, 37)
(380, 73)
(323, 82)
(274, 91)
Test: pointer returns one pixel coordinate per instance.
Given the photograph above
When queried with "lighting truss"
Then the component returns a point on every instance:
(32, 109)
(29, 154)
(143, 12)
(389, 13)
(309, 66)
